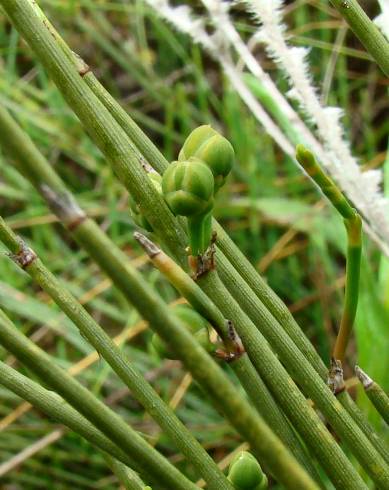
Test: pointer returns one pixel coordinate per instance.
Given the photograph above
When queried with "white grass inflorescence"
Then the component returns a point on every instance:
(327, 139)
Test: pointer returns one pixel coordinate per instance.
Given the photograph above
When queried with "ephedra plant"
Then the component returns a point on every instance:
(232, 316)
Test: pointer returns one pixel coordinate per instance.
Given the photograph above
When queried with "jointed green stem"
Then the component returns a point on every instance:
(241, 364)
(141, 389)
(87, 233)
(90, 113)
(90, 407)
(376, 394)
(264, 443)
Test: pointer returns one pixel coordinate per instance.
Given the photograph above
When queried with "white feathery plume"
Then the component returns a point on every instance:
(361, 187)
(382, 20)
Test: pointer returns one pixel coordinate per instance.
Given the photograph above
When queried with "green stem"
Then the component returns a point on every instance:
(376, 394)
(367, 32)
(119, 362)
(90, 113)
(90, 407)
(353, 267)
(233, 268)
(283, 388)
(196, 234)
(248, 276)
(279, 328)
(242, 366)
(57, 409)
(127, 477)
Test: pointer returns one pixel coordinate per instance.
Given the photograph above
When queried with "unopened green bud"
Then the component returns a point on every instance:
(245, 473)
(194, 322)
(188, 190)
(212, 148)
(188, 187)
(136, 213)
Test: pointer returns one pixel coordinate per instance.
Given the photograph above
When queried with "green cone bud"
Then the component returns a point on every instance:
(194, 322)
(188, 190)
(245, 473)
(212, 148)
(188, 187)
(136, 214)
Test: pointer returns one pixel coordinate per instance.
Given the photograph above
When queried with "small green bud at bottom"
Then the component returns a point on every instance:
(245, 473)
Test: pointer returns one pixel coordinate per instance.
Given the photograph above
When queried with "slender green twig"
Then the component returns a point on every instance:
(112, 426)
(237, 358)
(57, 409)
(37, 169)
(112, 264)
(264, 443)
(127, 477)
(353, 224)
(376, 394)
(119, 362)
(367, 32)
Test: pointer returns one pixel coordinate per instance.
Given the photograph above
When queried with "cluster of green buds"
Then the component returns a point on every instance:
(194, 322)
(190, 184)
(136, 213)
(245, 473)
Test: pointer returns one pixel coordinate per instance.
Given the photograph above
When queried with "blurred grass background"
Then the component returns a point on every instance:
(270, 209)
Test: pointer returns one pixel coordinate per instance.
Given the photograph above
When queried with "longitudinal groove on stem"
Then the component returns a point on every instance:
(301, 370)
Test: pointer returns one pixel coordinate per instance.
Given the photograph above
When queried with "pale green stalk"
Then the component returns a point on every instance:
(368, 33)
(34, 166)
(303, 417)
(109, 136)
(111, 425)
